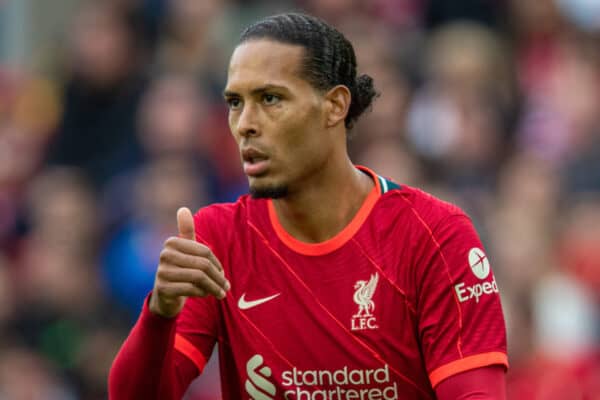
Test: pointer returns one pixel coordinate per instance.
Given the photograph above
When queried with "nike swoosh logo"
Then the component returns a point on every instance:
(243, 304)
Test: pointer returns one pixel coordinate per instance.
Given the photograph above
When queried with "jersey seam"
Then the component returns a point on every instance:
(374, 353)
(380, 269)
(181, 346)
(266, 338)
(478, 360)
(430, 231)
(392, 191)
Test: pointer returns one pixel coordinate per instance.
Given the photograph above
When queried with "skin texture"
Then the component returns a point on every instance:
(297, 134)
(186, 268)
(276, 121)
(301, 131)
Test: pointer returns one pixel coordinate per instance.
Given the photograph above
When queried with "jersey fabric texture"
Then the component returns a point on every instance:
(398, 301)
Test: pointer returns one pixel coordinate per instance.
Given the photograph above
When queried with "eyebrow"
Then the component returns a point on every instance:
(258, 90)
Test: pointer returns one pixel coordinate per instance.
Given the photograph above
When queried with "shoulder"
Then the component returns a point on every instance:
(219, 218)
(224, 211)
(420, 206)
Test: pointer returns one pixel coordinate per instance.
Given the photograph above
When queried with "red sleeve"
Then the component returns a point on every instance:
(162, 356)
(487, 383)
(198, 323)
(147, 366)
(460, 316)
(197, 329)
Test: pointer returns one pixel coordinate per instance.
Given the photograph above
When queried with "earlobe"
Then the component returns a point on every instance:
(338, 103)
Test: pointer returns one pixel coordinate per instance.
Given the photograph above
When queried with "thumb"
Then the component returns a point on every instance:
(185, 223)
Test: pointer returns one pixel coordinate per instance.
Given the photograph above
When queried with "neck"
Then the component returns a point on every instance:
(326, 204)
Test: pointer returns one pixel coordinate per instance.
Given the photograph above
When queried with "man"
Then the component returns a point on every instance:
(328, 281)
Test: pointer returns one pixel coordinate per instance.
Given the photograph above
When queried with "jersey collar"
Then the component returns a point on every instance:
(317, 249)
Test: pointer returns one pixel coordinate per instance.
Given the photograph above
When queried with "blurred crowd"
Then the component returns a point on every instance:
(117, 119)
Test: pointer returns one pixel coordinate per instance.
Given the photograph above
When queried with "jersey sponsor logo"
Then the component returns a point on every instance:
(466, 293)
(257, 385)
(244, 304)
(363, 297)
(321, 384)
(480, 266)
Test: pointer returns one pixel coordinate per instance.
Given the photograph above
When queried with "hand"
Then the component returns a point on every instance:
(186, 268)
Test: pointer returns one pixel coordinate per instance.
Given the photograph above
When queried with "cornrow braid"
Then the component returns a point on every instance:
(329, 58)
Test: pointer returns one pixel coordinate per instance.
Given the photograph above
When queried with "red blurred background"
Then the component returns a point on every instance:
(111, 117)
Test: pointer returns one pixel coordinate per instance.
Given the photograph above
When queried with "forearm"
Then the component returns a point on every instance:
(145, 365)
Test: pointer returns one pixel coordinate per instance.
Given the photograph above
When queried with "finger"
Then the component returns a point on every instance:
(203, 264)
(193, 248)
(179, 289)
(185, 223)
(196, 277)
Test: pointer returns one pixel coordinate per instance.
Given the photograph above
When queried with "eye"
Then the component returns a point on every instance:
(234, 103)
(270, 99)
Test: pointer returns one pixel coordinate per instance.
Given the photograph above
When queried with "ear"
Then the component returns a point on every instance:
(337, 101)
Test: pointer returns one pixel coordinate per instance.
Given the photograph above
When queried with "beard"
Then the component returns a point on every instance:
(268, 192)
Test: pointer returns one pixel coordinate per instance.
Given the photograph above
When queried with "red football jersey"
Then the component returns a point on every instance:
(399, 300)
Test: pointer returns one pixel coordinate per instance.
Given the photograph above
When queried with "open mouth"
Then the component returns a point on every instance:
(255, 163)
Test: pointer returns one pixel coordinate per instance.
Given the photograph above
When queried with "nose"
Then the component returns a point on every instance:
(247, 124)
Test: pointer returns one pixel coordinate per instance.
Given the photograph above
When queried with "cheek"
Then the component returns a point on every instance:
(303, 125)
(304, 145)
(296, 135)
(297, 128)
(232, 122)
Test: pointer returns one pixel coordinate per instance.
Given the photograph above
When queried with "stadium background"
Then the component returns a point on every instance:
(111, 117)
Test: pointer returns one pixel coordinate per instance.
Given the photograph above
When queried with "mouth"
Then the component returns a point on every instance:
(255, 163)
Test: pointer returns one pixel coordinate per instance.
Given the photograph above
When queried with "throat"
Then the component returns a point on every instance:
(321, 215)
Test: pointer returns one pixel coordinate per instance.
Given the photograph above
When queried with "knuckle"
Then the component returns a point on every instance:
(220, 280)
(165, 255)
(203, 264)
(184, 259)
(170, 242)
(205, 250)
(201, 279)
(209, 285)
(160, 288)
(162, 274)
(215, 291)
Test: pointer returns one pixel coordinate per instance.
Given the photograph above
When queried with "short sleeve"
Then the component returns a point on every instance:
(196, 332)
(460, 320)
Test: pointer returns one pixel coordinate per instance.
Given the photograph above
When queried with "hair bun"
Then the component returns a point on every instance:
(363, 94)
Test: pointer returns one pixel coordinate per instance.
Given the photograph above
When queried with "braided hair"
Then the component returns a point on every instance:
(329, 58)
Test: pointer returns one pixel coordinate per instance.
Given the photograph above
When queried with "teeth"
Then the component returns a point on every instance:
(254, 159)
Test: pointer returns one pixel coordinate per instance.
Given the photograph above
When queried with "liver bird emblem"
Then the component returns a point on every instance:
(363, 294)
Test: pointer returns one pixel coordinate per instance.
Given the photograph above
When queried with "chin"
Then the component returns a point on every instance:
(268, 192)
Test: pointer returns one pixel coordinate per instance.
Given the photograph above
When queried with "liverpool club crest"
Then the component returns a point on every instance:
(363, 297)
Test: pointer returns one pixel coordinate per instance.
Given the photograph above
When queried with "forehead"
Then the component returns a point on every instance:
(262, 61)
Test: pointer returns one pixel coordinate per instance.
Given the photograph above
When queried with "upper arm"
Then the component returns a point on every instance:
(486, 383)
(460, 320)
(197, 330)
